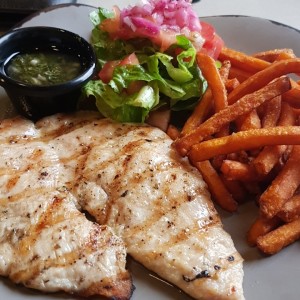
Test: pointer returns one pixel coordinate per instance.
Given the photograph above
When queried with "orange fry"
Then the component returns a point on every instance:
(210, 72)
(235, 170)
(283, 186)
(270, 155)
(263, 77)
(200, 113)
(173, 132)
(242, 60)
(216, 186)
(231, 84)
(248, 121)
(245, 140)
(239, 74)
(230, 113)
(268, 158)
(272, 109)
(236, 189)
(292, 97)
(279, 238)
(260, 227)
(291, 209)
(224, 70)
(276, 54)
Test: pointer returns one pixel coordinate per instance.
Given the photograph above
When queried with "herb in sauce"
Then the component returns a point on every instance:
(43, 68)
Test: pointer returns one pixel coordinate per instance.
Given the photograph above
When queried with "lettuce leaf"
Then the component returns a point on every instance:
(133, 108)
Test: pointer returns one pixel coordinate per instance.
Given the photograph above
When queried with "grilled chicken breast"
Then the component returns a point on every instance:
(46, 243)
(138, 189)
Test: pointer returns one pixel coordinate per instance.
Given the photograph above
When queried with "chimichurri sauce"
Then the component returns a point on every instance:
(43, 68)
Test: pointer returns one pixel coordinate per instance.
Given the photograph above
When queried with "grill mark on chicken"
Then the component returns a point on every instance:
(51, 216)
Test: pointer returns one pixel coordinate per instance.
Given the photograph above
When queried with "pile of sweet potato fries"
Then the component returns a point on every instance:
(244, 138)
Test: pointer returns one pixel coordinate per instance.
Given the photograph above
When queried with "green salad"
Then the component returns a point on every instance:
(141, 70)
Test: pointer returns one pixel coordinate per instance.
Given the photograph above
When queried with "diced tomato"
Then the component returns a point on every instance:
(112, 25)
(135, 86)
(213, 47)
(106, 73)
(131, 59)
(165, 39)
(207, 31)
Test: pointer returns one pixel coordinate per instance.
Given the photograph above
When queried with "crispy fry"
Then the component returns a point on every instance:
(283, 186)
(263, 77)
(242, 60)
(272, 109)
(224, 70)
(270, 155)
(245, 140)
(292, 97)
(260, 227)
(231, 84)
(279, 238)
(291, 209)
(239, 74)
(200, 113)
(236, 189)
(173, 132)
(285, 55)
(230, 113)
(214, 80)
(216, 186)
(275, 54)
(235, 170)
(248, 121)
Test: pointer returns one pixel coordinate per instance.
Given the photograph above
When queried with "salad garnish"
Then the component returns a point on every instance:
(147, 58)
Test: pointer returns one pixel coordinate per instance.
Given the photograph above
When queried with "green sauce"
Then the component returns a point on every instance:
(43, 68)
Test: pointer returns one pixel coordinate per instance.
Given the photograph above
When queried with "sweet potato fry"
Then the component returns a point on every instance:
(236, 189)
(260, 227)
(292, 97)
(242, 60)
(216, 186)
(283, 186)
(200, 113)
(263, 77)
(279, 238)
(270, 155)
(239, 74)
(291, 209)
(285, 55)
(248, 121)
(231, 84)
(224, 70)
(245, 140)
(214, 80)
(173, 132)
(272, 109)
(275, 54)
(230, 113)
(235, 170)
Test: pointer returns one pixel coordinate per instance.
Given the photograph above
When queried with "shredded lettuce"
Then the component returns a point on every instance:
(176, 82)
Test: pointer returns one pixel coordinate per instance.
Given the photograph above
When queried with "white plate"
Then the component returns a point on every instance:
(275, 277)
